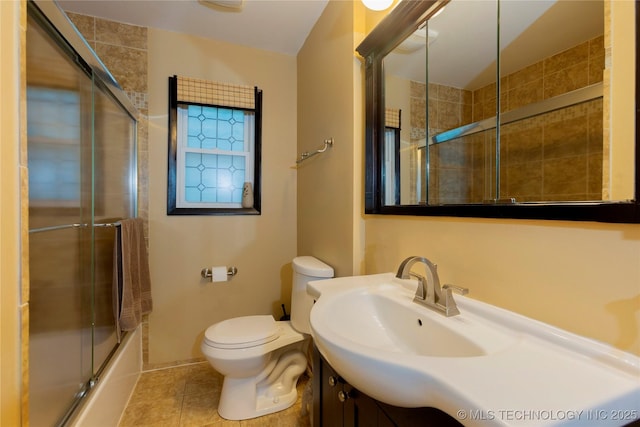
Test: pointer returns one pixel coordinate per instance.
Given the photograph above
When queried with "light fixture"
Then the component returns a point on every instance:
(418, 40)
(377, 4)
(224, 5)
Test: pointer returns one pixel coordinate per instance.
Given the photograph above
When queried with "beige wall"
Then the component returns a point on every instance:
(261, 247)
(330, 106)
(12, 168)
(582, 277)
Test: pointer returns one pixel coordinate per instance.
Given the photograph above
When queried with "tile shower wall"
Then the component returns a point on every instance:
(565, 161)
(123, 50)
(561, 157)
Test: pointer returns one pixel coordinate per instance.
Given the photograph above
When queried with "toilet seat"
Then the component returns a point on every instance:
(242, 332)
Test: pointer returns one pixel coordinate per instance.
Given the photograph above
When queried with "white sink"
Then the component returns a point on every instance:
(486, 366)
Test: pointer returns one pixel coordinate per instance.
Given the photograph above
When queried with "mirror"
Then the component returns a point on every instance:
(445, 136)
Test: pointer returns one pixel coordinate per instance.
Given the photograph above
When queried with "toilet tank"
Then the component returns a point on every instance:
(305, 269)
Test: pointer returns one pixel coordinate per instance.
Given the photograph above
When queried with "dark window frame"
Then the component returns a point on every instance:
(172, 166)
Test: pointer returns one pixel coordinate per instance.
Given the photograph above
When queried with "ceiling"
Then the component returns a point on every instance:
(283, 25)
(275, 25)
(462, 40)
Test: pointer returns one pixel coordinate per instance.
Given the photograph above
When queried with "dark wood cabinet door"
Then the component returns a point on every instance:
(336, 403)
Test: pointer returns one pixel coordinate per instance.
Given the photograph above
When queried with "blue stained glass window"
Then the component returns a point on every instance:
(215, 128)
(213, 178)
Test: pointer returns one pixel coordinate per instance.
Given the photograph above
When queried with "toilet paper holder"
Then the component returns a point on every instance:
(206, 273)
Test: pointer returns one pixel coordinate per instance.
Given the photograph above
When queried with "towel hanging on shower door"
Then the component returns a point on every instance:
(131, 278)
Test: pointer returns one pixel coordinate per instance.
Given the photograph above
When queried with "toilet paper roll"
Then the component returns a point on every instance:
(219, 274)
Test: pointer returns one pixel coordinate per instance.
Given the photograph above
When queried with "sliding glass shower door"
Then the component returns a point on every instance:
(114, 198)
(81, 159)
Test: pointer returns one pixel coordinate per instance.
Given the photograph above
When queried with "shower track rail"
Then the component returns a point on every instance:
(568, 99)
(75, 225)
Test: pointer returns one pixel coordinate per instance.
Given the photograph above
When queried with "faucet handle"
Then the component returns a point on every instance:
(450, 307)
(458, 289)
(422, 289)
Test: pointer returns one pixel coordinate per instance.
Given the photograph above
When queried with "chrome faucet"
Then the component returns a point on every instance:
(429, 293)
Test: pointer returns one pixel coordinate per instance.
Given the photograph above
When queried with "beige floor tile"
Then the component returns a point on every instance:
(200, 409)
(223, 423)
(159, 413)
(161, 384)
(188, 396)
(203, 378)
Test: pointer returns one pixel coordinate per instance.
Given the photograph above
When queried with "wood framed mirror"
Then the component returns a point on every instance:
(462, 121)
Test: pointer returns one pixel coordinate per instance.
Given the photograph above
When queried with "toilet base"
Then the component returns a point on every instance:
(243, 398)
(237, 405)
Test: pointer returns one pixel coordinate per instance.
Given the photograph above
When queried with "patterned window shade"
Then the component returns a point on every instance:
(213, 93)
(392, 118)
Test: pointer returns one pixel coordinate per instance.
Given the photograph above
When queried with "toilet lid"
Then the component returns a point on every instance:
(242, 332)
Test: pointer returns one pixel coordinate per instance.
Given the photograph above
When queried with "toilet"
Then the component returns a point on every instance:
(260, 358)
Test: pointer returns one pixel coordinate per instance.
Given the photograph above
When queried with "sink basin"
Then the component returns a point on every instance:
(381, 318)
(486, 366)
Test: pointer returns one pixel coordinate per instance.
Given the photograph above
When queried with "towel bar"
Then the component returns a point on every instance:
(304, 156)
(75, 225)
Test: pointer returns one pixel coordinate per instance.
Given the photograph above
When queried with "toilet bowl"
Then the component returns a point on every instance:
(260, 358)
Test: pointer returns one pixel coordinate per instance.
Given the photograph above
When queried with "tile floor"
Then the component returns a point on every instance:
(187, 396)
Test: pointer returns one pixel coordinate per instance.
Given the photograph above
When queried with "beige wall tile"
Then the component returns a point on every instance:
(448, 115)
(565, 178)
(566, 138)
(450, 94)
(567, 58)
(416, 89)
(523, 181)
(128, 66)
(522, 143)
(527, 75)
(115, 33)
(566, 80)
(596, 68)
(525, 94)
(85, 24)
(418, 108)
(477, 111)
(467, 97)
(467, 114)
(596, 46)
(594, 176)
(417, 117)
(489, 108)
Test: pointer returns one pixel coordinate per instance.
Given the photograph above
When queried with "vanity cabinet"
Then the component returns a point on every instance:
(337, 403)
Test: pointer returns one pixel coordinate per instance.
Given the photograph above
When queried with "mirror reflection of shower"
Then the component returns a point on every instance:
(540, 140)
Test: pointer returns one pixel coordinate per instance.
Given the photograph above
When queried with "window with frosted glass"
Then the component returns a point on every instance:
(53, 117)
(216, 155)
